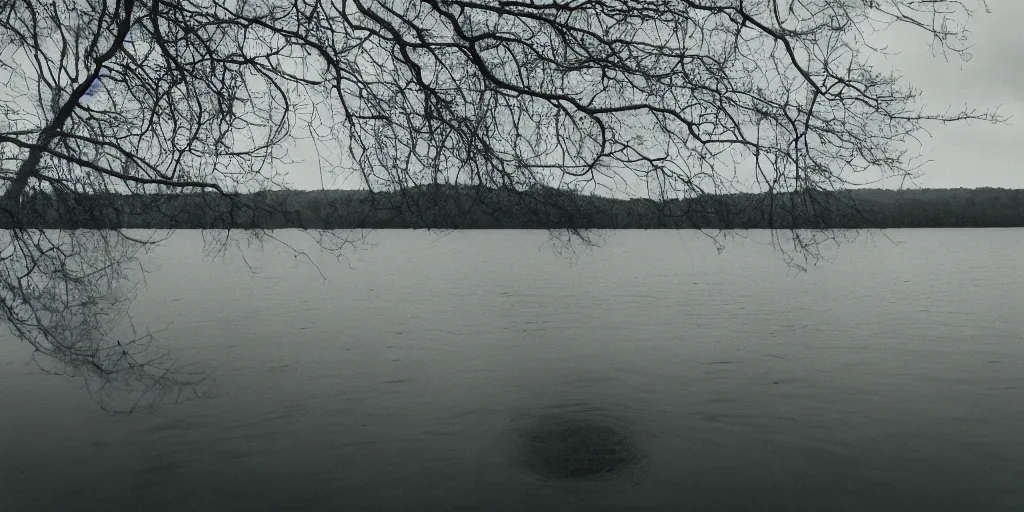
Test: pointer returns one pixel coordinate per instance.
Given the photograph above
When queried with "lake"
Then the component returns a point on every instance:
(411, 375)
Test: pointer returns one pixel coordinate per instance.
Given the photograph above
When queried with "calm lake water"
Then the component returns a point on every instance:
(889, 378)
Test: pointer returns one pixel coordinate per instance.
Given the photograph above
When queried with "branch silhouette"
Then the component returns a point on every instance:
(648, 99)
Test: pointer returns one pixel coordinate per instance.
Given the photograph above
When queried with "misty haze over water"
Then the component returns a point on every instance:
(888, 378)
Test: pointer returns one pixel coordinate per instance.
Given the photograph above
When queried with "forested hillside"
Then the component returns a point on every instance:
(482, 208)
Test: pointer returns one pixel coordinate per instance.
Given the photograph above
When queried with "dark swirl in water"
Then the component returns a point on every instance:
(570, 448)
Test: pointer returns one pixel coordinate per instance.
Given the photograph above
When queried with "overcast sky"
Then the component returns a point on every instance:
(961, 155)
(976, 155)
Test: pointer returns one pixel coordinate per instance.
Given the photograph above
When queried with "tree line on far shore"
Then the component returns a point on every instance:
(458, 207)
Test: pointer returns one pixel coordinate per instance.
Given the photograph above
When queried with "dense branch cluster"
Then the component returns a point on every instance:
(508, 93)
(644, 98)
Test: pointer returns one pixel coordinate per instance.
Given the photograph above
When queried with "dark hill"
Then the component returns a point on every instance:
(458, 207)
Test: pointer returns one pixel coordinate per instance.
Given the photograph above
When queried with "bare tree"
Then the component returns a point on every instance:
(663, 99)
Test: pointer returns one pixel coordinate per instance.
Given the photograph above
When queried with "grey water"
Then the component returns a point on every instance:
(889, 377)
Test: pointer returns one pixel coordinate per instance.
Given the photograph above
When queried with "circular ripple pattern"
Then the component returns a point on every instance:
(575, 448)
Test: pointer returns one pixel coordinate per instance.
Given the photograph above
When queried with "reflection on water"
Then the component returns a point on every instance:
(481, 372)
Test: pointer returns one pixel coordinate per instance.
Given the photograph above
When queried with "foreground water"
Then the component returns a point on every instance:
(891, 378)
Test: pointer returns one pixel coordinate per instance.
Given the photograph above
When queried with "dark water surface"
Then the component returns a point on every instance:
(418, 374)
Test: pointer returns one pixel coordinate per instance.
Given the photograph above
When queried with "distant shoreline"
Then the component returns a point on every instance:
(467, 208)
